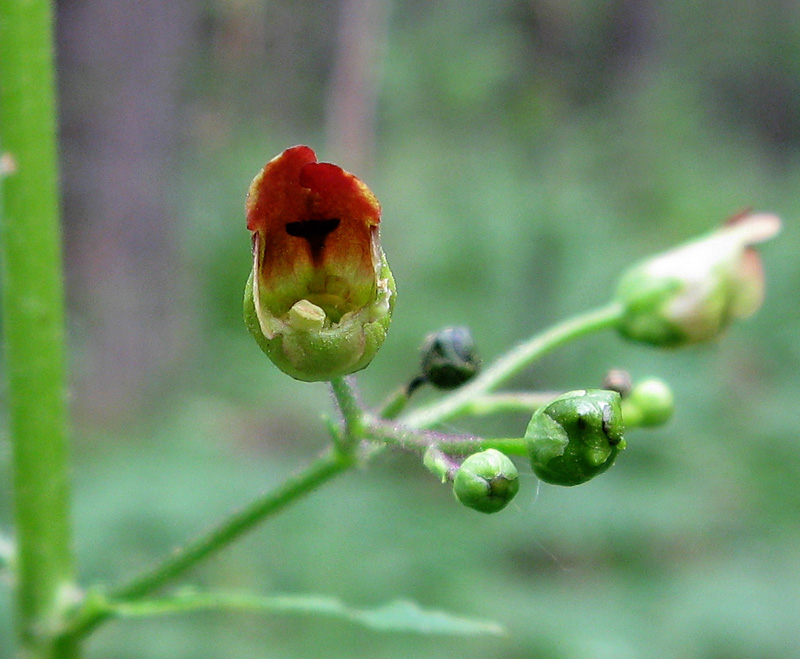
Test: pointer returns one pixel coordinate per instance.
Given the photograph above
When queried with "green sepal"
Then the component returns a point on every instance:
(575, 437)
(643, 298)
(318, 353)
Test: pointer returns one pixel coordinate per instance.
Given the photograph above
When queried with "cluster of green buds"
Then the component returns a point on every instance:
(320, 297)
(569, 441)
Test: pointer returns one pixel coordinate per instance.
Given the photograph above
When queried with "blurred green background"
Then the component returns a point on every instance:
(524, 153)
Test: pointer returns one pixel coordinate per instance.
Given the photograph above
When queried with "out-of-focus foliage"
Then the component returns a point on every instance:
(526, 152)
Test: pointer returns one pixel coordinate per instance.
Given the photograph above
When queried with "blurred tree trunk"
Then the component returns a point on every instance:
(120, 81)
(353, 91)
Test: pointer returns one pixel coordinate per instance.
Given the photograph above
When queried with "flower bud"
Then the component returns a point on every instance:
(650, 403)
(575, 437)
(320, 296)
(693, 292)
(618, 380)
(449, 358)
(486, 481)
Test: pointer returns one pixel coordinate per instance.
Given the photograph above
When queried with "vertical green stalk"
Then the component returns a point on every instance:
(33, 325)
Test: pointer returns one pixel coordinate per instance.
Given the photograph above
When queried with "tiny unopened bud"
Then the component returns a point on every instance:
(649, 404)
(575, 437)
(449, 358)
(618, 380)
(486, 481)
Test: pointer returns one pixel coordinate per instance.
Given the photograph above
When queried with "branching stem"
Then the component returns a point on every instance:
(512, 363)
(318, 472)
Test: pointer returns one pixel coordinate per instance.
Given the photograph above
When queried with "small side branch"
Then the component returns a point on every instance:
(322, 470)
(512, 363)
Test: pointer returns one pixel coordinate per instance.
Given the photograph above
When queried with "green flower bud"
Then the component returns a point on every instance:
(320, 296)
(575, 437)
(693, 292)
(650, 403)
(449, 358)
(486, 481)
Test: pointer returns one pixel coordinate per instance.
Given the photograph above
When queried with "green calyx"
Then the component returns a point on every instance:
(576, 437)
(644, 300)
(309, 345)
(486, 481)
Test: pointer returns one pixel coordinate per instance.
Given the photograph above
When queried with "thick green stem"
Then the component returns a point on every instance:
(512, 363)
(33, 324)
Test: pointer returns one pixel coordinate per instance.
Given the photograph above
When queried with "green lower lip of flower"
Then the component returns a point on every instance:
(311, 346)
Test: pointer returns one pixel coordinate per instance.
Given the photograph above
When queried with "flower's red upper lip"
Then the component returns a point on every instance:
(315, 223)
(276, 193)
(295, 187)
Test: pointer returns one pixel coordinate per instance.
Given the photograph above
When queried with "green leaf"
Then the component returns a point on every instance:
(405, 615)
(397, 616)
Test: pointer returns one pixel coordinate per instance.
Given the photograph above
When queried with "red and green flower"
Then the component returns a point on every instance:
(320, 296)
